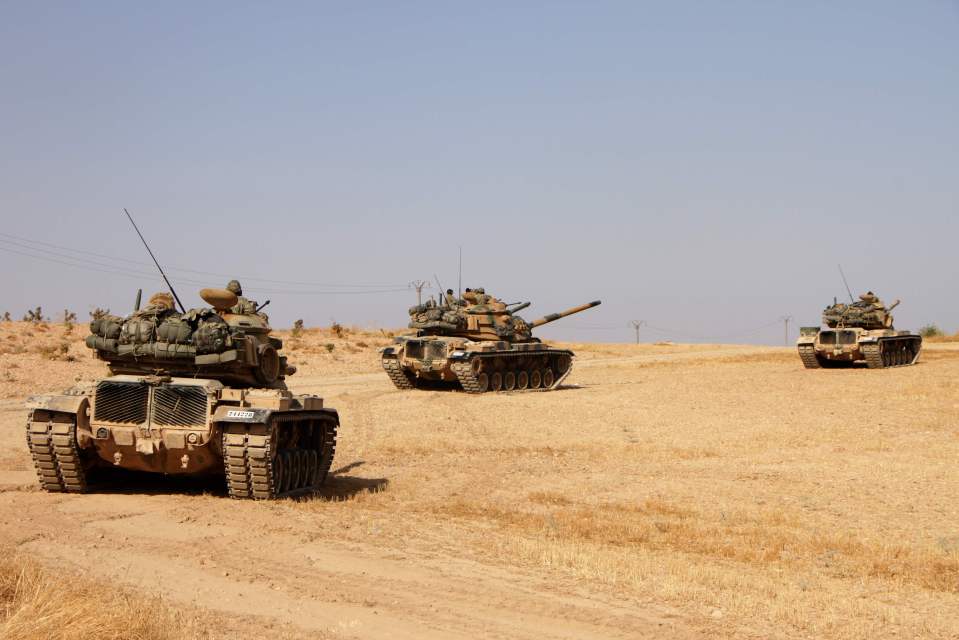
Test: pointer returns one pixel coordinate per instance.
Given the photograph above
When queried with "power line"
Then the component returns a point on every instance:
(636, 324)
(17, 240)
(100, 267)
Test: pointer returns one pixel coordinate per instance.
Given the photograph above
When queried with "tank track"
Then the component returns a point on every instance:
(471, 383)
(807, 353)
(399, 377)
(253, 471)
(878, 357)
(53, 446)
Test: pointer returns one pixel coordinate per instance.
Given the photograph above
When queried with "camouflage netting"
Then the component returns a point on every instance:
(430, 318)
(869, 312)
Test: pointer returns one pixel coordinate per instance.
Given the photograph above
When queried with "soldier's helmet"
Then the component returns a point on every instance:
(234, 286)
(869, 296)
(479, 290)
(162, 300)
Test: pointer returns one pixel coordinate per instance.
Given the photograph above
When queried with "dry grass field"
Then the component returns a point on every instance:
(673, 491)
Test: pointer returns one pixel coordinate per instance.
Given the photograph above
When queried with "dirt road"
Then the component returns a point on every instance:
(675, 491)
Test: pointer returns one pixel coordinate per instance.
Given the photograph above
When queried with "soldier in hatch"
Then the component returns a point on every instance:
(160, 301)
(243, 306)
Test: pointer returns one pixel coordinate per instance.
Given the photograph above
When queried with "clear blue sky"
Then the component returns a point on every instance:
(700, 165)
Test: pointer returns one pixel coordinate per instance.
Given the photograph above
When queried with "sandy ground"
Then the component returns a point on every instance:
(671, 491)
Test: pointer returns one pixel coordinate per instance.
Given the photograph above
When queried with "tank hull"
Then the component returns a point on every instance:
(843, 347)
(265, 443)
(475, 366)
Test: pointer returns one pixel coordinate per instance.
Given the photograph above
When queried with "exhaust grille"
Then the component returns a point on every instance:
(122, 402)
(179, 406)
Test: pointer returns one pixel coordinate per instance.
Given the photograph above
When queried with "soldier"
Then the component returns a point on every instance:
(243, 305)
(160, 301)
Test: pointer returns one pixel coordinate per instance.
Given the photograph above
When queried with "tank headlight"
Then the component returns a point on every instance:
(193, 438)
(103, 433)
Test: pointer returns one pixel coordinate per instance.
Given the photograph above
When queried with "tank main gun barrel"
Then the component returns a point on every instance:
(562, 314)
(893, 305)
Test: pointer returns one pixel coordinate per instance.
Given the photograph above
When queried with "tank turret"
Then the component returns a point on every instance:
(869, 312)
(208, 342)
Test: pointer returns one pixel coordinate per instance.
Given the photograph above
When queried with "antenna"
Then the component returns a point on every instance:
(851, 299)
(170, 286)
(459, 284)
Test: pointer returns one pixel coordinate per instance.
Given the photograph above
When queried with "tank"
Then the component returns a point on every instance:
(860, 331)
(479, 344)
(199, 393)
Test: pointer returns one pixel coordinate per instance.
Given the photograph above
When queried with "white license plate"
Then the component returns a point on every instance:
(239, 414)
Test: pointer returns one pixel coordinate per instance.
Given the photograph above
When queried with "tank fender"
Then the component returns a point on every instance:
(807, 339)
(76, 404)
(251, 415)
(388, 352)
(58, 403)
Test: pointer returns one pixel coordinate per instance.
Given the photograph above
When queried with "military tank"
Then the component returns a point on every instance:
(859, 331)
(479, 344)
(195, 393)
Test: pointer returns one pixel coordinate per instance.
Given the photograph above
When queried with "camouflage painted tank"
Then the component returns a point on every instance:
(859, 331)
(199, 393)
(479, 344)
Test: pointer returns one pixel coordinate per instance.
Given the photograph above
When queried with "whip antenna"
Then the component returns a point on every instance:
(851, 299)
(167, 280)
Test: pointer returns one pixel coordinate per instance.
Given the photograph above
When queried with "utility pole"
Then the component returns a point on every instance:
(419, 285)
(636, 324)
(786, 320)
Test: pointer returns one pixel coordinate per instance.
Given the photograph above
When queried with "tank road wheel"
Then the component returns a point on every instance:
(282, 479)
(299, 463)
(313, 468)
(535, 379)
(548, 378)
(562, 364)
(522, 380)
(476, 366)
(509, 380)
(482, 382)
(496, 381)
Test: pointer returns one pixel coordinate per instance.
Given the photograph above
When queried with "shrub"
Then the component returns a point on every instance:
(931, 330)
(6, 317)
(33, 315)
(98, 313)
(297, 329)
(329, 347)
(337, 329)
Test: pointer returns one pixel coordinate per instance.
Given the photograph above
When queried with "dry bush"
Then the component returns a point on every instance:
(58, 351)
(6, 317)
(329, 347)
(33, 315)
(297, 331)
(98, 313)
(36, 605)
(337, 329)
